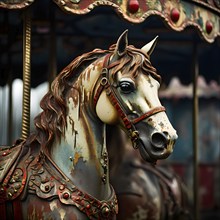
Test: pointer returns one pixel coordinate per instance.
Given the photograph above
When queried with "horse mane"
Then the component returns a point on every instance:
(50, 124)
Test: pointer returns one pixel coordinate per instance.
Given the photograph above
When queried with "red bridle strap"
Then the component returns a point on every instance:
(105, 84)
(149, 113)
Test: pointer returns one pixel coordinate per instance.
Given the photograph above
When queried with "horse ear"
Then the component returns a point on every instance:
(121, 44)
(148, 48)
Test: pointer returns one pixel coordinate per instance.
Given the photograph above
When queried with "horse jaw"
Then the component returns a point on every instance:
(105, 110)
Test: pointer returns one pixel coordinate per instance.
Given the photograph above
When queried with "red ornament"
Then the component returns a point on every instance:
(209, 27)
(66, 195)
(175, 15)
(133, 6)
(5, 153)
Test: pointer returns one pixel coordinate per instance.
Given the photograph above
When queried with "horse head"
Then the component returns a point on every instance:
(118, 86)
(127, 95)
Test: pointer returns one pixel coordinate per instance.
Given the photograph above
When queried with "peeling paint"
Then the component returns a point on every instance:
(76, 158)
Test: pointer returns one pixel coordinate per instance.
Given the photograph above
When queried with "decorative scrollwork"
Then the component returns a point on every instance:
(15, 4)
(136, 11)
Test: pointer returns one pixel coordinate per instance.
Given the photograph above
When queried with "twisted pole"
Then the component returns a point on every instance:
(26, 74)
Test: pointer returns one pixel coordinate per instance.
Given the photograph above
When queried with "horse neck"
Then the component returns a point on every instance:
(81, 154)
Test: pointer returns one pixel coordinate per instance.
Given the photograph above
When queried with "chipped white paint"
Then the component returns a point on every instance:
(76, 132)
(79, 153)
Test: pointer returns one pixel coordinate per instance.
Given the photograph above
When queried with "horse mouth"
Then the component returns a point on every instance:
(151, 154)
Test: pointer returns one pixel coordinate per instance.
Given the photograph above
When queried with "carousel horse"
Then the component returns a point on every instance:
(61, 170)
(144, 191)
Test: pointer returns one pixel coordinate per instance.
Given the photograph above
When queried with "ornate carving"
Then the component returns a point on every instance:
(18, 4)
(14, 174)
(48, 184)
(193, 12)
(15, 183)
(104, 163)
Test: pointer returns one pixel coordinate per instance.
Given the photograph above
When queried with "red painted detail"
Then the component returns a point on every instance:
(175, 14)
(209, 27)
(5, 153)
(133, 6)
(88, 206)
(66, 195)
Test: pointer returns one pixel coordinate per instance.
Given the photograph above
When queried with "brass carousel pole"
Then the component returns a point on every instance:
(195, 133)
(26, 73)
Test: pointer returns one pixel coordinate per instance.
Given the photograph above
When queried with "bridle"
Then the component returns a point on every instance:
(104, 84)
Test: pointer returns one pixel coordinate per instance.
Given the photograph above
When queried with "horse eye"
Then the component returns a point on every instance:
(127, 87)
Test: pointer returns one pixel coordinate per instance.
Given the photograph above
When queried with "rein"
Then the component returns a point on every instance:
(118, 105)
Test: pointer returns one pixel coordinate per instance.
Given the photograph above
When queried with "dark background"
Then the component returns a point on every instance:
(64, 36)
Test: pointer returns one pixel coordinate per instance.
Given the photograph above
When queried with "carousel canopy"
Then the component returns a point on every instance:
(186, 29)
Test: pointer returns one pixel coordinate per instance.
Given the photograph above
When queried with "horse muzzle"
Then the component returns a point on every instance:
(157, 146)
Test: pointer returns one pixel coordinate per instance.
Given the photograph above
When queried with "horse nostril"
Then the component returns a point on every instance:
(166, 133)
(159, 139)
